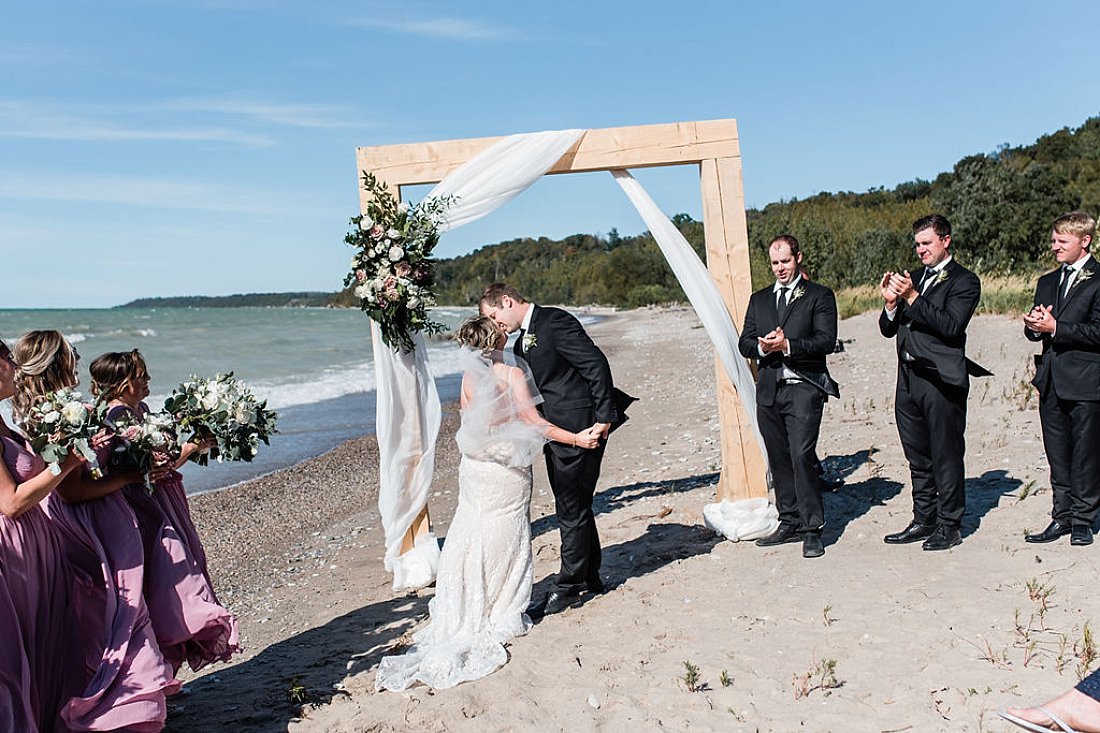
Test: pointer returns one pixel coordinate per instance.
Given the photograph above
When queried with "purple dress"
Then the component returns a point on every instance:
(40, 664)
(190, 624)
(131, 677)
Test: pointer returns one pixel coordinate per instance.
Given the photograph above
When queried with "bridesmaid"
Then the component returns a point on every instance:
(189, 622)
(130, 677)
(38, 651)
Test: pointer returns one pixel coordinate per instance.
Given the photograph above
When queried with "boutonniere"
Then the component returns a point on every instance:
(1082, 276)
(798, 293)
(530, 341)
(941, 277)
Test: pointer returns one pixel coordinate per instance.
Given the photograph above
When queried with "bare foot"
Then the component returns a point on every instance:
(1076, 709)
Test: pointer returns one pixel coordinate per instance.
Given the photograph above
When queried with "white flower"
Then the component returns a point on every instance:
(363, 291)
(365, 223)
(412, 303)
(396, 253)
(393, 233)
(244, 415)
(402, 207)
(209, 398)
(51, 417)
(74, 413)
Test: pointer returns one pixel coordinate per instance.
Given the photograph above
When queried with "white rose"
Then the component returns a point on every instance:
(396, 253)
(209, 399)
(362, 292)
(412, 303)
(243, 415)
(73, 413)
(393, 233)
(51, 417)
(402, 207)
(365, 223)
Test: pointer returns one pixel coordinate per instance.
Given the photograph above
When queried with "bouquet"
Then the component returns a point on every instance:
(223, 410)
(148, 442)
(63, 422)
(393, 269)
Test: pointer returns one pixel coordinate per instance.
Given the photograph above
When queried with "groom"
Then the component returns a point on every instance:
(575, 381)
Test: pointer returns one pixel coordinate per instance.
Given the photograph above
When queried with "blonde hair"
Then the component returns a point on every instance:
(1077, 224)
(478, 332)
(46, 363)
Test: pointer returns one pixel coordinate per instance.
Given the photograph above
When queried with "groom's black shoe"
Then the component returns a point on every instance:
(1081, 535)
(1053, 531)
(553, 602)
(596, 587)
(782, 535)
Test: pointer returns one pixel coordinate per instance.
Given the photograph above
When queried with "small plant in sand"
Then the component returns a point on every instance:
(1085, 652)
(297, 693)
(1062, 659)
(724, 679)
(1025, 490)
(1040, 593)
(821, 677)
(692, 679)
(825, 615)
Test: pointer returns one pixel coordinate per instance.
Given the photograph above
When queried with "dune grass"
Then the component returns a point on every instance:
(1003, 294)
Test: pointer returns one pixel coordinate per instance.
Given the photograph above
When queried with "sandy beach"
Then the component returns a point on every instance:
(870, 637)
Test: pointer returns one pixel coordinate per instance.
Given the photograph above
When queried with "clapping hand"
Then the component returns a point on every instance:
(1040, 319)
(774, 341)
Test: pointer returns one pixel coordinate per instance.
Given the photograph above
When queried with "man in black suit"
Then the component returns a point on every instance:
(789, 329)
(929, 311)
(574, 378)
(1066, 318)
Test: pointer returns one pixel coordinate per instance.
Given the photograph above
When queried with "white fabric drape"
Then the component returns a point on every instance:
(408, 412)
(407, 418)
(737, 520)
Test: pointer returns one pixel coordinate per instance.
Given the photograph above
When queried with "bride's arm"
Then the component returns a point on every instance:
(525, 409)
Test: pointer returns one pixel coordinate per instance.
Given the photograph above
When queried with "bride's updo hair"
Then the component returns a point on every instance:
(115, 372)
(480, 333)
(46, 363)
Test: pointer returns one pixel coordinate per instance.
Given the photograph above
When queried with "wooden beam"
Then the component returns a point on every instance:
(643, 146)
(727, 237)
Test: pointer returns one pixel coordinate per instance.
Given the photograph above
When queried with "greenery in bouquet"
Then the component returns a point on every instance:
(222, 410)
(62, 422)
(392, 270)
(146, 442)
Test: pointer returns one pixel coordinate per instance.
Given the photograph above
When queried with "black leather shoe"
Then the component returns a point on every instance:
(812, 547)
(784, 534)
(557, 602)
(1081, 535)
(596, 587)
(537, 609)
(1053, 531)
(915, 532)
(944, 538)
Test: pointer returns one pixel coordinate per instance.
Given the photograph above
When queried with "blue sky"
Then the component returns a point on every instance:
(175, 147)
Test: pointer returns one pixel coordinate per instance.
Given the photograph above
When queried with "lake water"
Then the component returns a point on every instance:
(313, 365)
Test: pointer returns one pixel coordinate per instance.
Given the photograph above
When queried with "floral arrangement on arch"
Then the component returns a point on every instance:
(393, 271)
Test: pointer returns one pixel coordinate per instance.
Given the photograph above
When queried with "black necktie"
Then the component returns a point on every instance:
(784, 298)
(1067, 271)
(929, 273)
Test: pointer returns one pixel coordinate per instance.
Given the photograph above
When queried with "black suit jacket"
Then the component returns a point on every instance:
(1070, 362)
(809, 324)
(570, 371)
(933, 329)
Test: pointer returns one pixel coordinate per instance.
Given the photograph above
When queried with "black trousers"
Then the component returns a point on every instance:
(573, 476)
(1070, 432)
(931, 419)
(790, 428)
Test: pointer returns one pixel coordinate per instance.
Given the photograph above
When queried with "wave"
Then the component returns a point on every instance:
(76, 338)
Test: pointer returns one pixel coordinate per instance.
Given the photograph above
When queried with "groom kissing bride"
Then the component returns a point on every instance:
(574, 378)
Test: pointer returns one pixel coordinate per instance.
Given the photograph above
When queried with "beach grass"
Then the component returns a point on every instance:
(1001, 294)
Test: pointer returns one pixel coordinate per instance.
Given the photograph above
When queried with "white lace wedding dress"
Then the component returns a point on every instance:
(485, 571)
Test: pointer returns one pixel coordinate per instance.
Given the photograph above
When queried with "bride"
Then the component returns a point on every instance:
(485, 571)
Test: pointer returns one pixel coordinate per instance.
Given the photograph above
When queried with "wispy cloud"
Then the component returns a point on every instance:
(290, 115)
(43, 122)
(158, 193)
(455, 29)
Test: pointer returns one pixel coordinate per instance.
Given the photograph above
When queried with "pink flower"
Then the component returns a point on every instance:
(131, 433)
(377, 231)
(361, 276)
(420, 272)
(402, 269)
(389, 285)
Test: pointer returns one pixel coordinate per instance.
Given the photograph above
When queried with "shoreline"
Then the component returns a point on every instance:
(922, 641)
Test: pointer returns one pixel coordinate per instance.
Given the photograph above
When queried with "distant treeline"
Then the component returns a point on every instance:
(1000, 205)
(250, 300)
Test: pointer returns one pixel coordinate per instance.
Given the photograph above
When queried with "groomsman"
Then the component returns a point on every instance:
(1066, 318)
(928, 311)
(789, 329)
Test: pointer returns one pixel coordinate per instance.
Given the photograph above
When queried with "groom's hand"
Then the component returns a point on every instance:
(601, 429)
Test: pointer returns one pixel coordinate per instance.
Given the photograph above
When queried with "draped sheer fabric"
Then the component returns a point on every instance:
(408, 412)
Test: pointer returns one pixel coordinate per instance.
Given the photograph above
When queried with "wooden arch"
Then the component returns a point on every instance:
(711, 145)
